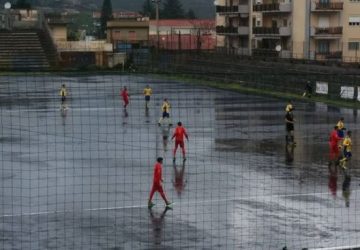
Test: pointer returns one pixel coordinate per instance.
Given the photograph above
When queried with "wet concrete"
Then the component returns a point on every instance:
(80, 178)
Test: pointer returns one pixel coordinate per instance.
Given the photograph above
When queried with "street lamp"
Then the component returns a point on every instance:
(157, 2)
(7, 20)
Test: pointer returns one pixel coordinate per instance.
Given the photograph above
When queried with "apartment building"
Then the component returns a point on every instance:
(234, 26)
(303, 29)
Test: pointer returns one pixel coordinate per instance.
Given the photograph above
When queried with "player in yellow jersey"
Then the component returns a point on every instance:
(63, 93)
(341, 127)
(346, 150)
(147, 93)
(165, 108)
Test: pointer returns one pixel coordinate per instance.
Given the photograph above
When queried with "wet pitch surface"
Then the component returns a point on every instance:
(80, 178)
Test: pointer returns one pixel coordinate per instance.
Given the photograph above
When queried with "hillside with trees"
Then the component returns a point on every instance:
(198, 8)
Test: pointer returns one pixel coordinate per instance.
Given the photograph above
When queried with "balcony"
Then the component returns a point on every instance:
(327, 6)
(328, 55)
(84, 46)
(243, 30)
(272, 7)
(243, 8)
(327, 33)
(227, 9)
(273, 31)
(226, 30)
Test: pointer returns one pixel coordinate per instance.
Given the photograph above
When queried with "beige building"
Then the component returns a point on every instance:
(75, 53)
(310, 29)
(127, 33)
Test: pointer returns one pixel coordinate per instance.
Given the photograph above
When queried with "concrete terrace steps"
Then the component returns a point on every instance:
(19, 40)
(25, 50)
(21, 56)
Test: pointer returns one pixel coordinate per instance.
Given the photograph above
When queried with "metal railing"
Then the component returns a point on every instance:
(328, 31)
(328, 54)
(226, 9)
(331, 5)
(266, 30)
(226, 29)
(266, 7)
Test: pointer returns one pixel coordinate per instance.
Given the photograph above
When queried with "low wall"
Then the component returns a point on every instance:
(285, 77)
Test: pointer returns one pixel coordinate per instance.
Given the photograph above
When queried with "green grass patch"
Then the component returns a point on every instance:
(238, 87)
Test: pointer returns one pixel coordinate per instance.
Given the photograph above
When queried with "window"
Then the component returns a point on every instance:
(354, 21)
(354, 45)
(285, 22)
(323, 47)
(132, 35)
(354, 1)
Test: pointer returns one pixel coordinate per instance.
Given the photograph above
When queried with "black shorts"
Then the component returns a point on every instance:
(166, 115)
(147, 98)
(289, 127)
(63, 98)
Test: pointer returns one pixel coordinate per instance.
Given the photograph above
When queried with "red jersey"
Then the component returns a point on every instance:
(157, 174)
(124, 94)
(179, 133)
(334, 138)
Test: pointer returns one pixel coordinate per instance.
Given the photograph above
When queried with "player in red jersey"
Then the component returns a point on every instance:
(157, 184)
(125, 96)
(179, 134)
(334, 145)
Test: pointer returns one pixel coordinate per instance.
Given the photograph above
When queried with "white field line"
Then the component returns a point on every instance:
(58, 109)
(336, 248)
(175, 203)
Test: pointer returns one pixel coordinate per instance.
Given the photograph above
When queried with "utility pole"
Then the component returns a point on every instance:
(157, 2)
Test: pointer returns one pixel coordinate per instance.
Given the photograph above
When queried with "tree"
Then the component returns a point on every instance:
(22, 4)
(191, 14)
(172, 10)
(106, 15)
(148, 9)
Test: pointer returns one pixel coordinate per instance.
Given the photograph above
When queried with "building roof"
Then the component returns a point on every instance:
(184, 22)
(118, 14)
(127, 23)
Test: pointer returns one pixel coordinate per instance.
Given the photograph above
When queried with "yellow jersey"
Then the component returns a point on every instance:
(63, 92)
(340, 125)
(165, 107)
(147, 91)
(347, 144)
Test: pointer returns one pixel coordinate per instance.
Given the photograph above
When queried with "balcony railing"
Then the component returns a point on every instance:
(243, 8)
(329, 55)
(280, 31)
(84, 46)
(328, 31)
(226, 9)
(266, 7)
(226, 30)
(272, 7)
(243, 30)
(329, 6)
(266, 30)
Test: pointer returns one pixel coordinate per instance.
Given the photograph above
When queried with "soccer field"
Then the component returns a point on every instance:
(80, 178)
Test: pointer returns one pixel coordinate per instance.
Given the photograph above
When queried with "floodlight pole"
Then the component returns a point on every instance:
(157, 2)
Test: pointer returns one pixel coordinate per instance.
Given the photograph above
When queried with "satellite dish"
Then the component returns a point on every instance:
(278, 48)
(7, 5)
